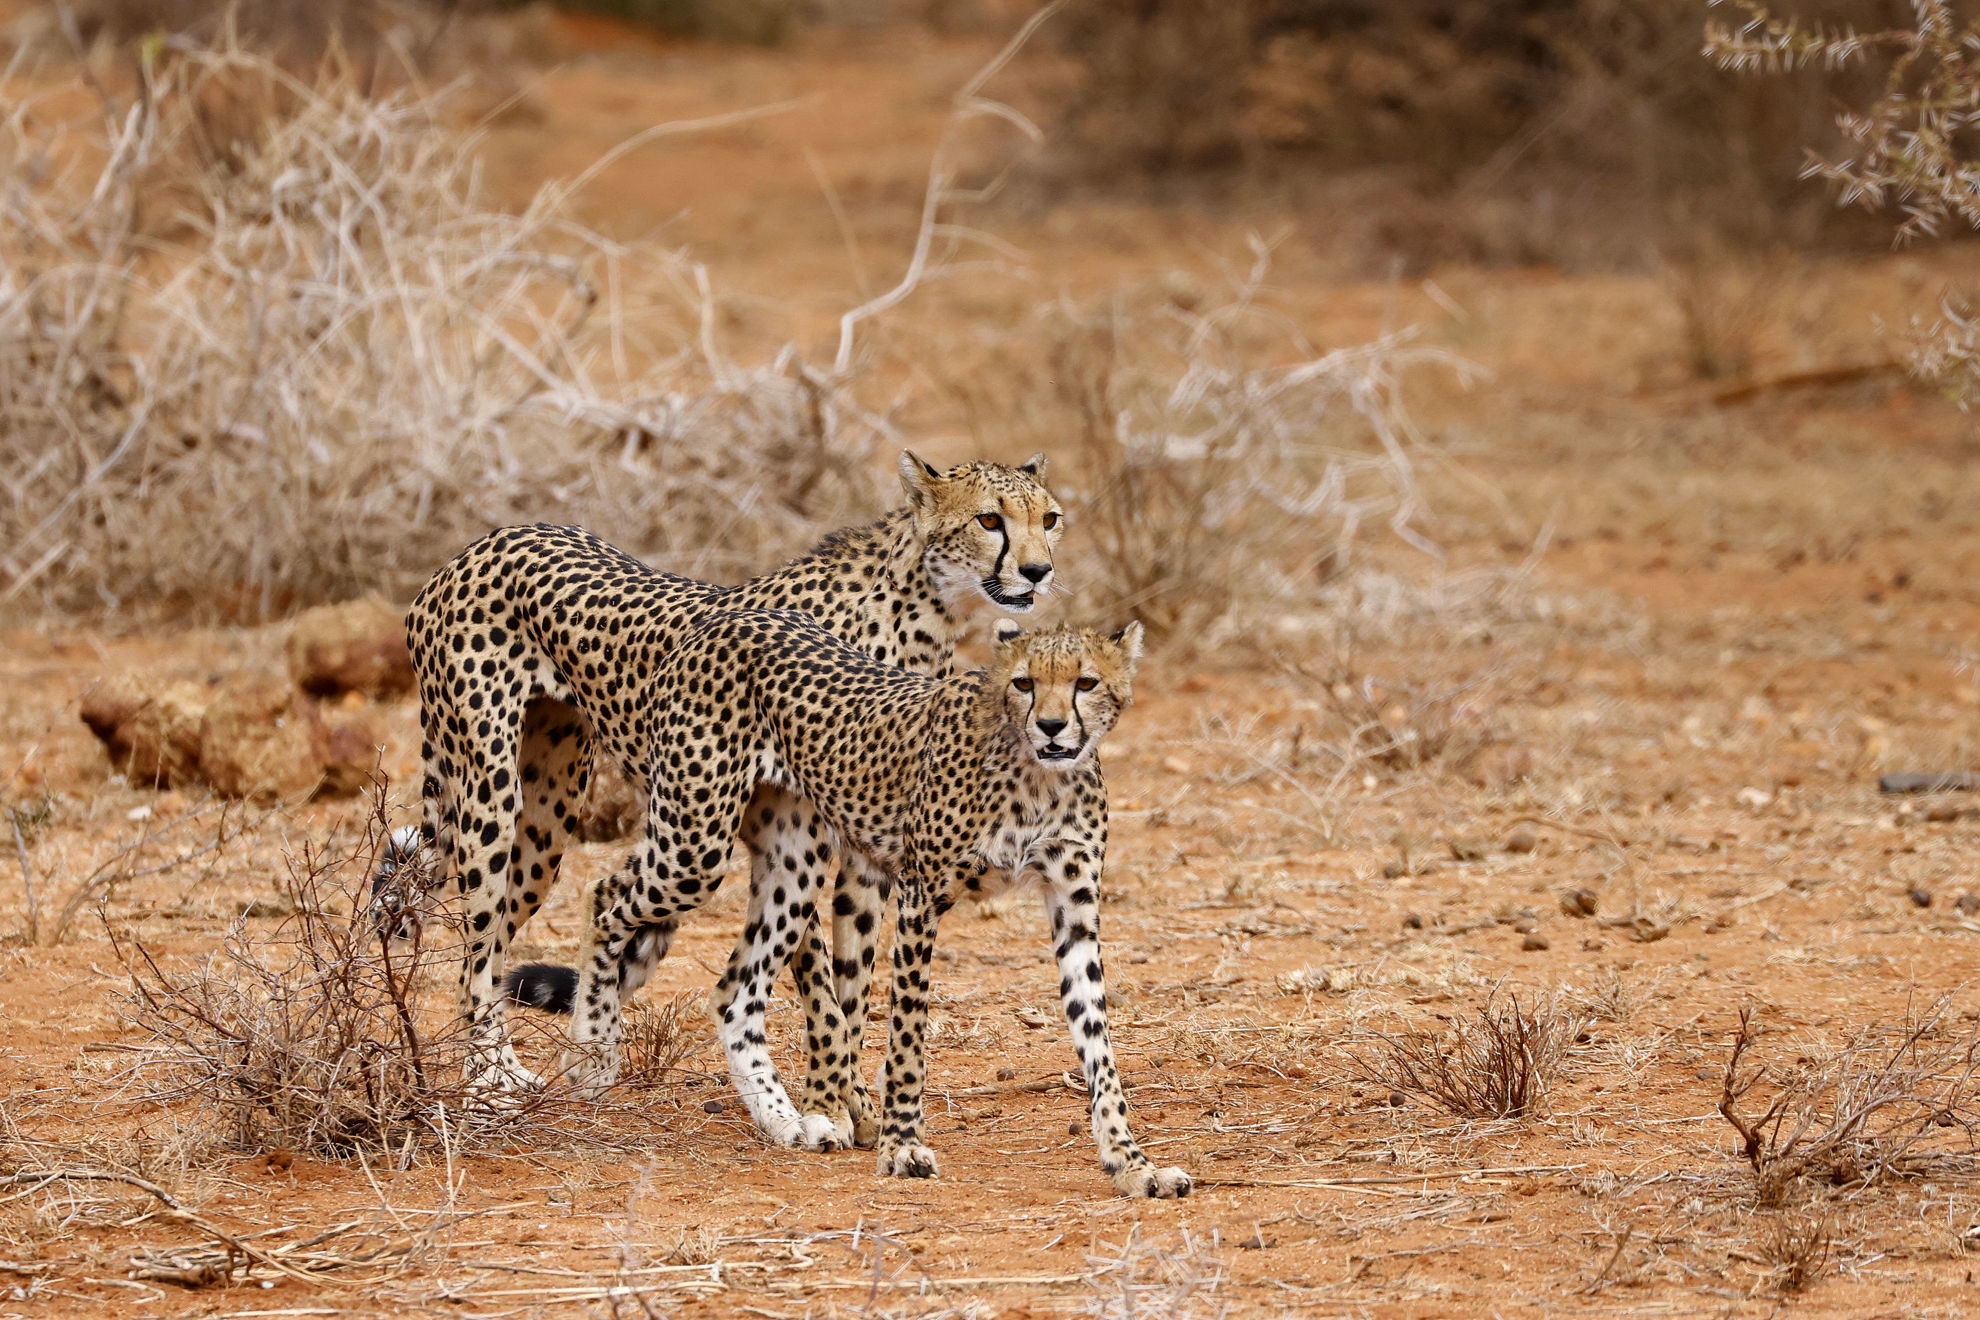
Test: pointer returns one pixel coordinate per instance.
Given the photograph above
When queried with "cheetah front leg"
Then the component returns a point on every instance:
(1072, 902)
(902, 1154)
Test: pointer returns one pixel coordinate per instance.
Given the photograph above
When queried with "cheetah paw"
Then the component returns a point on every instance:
(590, 1073)
(825, 1132)
(865, 1123)
(908, 1162)
(1147, 1180)
(501, 1082)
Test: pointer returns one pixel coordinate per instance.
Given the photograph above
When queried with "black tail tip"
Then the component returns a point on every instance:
(542, 985)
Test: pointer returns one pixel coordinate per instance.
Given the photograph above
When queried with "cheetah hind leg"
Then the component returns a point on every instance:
(779, 908)
(829, 1060)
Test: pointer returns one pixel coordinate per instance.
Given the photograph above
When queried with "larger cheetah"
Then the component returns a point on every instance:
(942, 783)
(534, 646)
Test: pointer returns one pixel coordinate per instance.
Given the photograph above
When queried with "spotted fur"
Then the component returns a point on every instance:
(535, 649)
(943, 785)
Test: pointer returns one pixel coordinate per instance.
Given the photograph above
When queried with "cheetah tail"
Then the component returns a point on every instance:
(542, 985)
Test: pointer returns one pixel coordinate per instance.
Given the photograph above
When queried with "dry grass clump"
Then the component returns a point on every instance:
(1885, 1105)
(1799, 1249)
(1498, 1063)
(1220, 461)
(314, 1036)
(661, 1035)
(262, 342)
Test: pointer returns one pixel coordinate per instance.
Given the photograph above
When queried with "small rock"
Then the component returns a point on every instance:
(712, 1106)
(1521, 840)
(1967, 904)
(1030, 1017)
(1941, 812)
(1072, 1129)
(149, 728)
(1397, 1099)
(1579, 902)
(1706, 1074)
(1593, 945)
(1464, 850)
(1526, 927)
(1534, 943)
(1007, 1074)
(1414, 921)
(358, 646)
(1920, 897)
(1390, 870)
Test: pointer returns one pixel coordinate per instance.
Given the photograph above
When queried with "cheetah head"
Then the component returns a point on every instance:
(1063, 688)
(986, 529)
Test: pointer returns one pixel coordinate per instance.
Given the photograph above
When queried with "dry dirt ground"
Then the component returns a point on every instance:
(1675, 630)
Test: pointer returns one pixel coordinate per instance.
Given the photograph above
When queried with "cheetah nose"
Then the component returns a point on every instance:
(1051, 728)
(1036, 572)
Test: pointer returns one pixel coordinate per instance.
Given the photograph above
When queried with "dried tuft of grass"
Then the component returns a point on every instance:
(1499, 1063)
(1799, 1248)
(1880, 1107)
(662, 1036)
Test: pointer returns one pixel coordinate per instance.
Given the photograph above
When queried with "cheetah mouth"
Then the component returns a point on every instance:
(1057, 753)
(1012, 601)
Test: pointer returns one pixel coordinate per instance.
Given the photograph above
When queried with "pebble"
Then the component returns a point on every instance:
(1534, 943)
(1579, 902)
(1526, 927)
(1967, 904)
(1390, 870)
(1414, 921)
(1921, 897)
(1464, 850)
(1521, 840)
(1007, 1074)
(711, 1106)
(1707, 1074)
(1397, 1099)
(1072, 1129)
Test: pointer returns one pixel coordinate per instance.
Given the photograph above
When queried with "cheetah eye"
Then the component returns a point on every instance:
(1050, 520)
(1087, 684)
(1021, 684)
(990, 521)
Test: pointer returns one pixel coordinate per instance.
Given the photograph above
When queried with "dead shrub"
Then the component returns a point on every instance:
(1885, 1105)
(315, 1035)
(1906, 137)
(244, 372)
(1499, 1063)
(1219, 461)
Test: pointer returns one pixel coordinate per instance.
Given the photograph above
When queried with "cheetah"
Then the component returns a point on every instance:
(945, 784)
(533, 651)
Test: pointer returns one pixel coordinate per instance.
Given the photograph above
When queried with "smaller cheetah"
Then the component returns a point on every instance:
(942, 784)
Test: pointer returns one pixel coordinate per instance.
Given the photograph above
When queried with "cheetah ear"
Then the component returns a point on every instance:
(1129, 639)
(918, 479)
(1035, 465)
(1006, 631)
